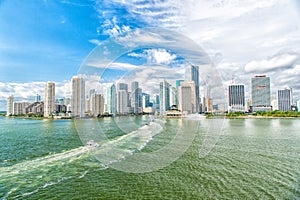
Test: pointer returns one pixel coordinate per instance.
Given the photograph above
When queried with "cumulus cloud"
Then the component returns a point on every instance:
(279, 62)
(155, 56)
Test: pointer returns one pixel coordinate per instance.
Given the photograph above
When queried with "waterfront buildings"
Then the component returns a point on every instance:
(10, 105)
(236, 98)
(261, 97)
(285, 99)
(183, 98)
(78, 96)
(49, 99)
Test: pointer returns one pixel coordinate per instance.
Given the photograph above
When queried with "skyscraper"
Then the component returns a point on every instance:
(285, 99)
(96, 104)
(136, 97)
(110, 103)
(187, 97)
(236, 98)
(173, 97)
(49, 99)
(10, 105)
(164, 97)
(122, 98)
(192, 74)
(78, 96)
(261, 97)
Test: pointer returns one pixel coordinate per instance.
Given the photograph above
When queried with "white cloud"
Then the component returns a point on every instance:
(95, 41)
(156, 56)
(160, 56)
(277, 62)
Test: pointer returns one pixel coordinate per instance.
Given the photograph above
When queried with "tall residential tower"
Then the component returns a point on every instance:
(10, 105)
(49, 105)
(285, 99)
(78, 96)
(236, 98)
(261, 97)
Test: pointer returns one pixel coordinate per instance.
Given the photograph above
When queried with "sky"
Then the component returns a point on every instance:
(43, 40)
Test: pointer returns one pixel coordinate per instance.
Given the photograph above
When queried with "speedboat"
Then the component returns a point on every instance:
(92, 144)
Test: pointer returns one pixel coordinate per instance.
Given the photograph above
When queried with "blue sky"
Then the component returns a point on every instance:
(48, 40)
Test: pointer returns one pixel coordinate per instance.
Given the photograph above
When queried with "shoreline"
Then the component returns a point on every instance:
(259, 117)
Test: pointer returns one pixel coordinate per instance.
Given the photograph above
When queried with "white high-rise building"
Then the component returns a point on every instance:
(122, 102)
(78, 96)
(187, 97)
(236, 98)
(96, 104)
(136, 98)
(122, 99)
(285, 99)
(10, 105)
(164, 97)
(49, 106)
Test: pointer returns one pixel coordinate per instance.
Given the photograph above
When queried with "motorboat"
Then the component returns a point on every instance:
(92, 144)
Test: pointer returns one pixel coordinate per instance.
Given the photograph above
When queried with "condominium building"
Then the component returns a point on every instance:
(285, 99)
(187, 97)
(97, 104)
(164, 97)
(136, 98)
(20, 108)
(236, 98)
(110, 99)
(10, 105)
(261, 97)
(78, 96)
(49, 106)
(122, 99)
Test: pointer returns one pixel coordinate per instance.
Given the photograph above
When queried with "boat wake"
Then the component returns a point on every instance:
(28, 177)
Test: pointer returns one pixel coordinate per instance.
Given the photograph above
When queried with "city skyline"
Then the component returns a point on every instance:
(116, 99)
(52, 42)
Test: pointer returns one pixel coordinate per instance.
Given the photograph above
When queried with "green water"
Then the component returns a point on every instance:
(252, 159)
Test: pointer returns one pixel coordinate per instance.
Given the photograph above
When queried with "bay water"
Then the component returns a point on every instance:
(49, 159)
